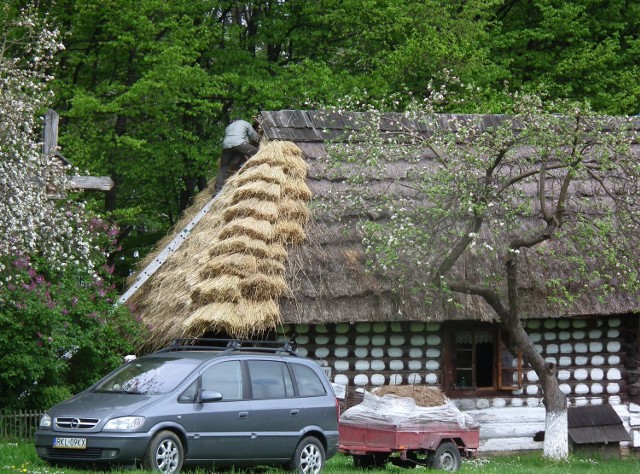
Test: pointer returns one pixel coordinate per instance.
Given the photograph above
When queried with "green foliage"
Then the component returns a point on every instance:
(146, 89)
(583, 50)
(61, 329)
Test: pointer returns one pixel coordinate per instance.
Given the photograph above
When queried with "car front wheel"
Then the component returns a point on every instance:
(165, 453)
(308, 457)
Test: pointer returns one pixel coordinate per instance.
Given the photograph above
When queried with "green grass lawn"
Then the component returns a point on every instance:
(20, 457)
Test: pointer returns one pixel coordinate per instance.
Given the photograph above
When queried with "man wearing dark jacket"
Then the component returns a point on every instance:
(237, 148)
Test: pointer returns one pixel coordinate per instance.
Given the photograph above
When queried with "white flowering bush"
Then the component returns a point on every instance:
(30, 221)
(61, 327)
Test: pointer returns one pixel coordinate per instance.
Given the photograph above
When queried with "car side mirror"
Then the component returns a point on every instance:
(208, 396)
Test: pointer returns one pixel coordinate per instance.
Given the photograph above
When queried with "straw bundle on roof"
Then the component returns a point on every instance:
(263, 172)
(284, 154)
(229, 274)
(238, 264)
(201, 259)
(288, 232)
(161, 320)
(271, 156)
(257, 189)
(192, 278)
(254, 228)
(259, 287)
(293, 209)
(276, 251)
(258, 316)
(240, 320)
(191, 255)
(295, 167)
(201, 240)
(290, 149)
(223, 288)
(242, 244)
(176, 291)
(269, 266)
(259, 160)
(209, 317)
(296, 189)
(256, 208)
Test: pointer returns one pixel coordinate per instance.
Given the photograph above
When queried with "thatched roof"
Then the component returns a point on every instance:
(271, 250)
(329, 278)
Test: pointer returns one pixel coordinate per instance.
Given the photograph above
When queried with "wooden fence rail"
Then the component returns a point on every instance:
(20, 425)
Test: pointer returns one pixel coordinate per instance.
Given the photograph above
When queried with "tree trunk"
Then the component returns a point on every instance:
(556, 438)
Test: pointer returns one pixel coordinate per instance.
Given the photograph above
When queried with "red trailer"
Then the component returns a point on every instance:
(439, 445)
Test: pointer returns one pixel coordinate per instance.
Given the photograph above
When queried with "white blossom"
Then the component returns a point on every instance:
(30, 221)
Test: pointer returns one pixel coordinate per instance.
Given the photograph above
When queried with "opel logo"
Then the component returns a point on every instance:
(75, 423)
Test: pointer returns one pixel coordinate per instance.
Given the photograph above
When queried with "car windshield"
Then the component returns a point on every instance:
(153, 376)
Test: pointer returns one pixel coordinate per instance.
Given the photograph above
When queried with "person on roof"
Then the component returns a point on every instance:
(239, 144)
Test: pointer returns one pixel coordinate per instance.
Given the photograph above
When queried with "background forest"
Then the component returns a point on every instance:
(145, 89)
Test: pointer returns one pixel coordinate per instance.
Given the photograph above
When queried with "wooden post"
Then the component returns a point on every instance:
(50, 147)
(50, 132)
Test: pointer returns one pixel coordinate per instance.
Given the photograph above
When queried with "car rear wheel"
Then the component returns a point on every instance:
(165, 453)
(308, 457)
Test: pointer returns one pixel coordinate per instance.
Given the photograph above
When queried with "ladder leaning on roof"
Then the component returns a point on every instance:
(171, 247)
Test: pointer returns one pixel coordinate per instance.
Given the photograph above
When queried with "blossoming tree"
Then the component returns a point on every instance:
(29, 220)
(548, 195)
(60, 327)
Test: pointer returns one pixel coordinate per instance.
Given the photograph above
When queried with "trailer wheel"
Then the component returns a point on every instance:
(446, 458)
(369, 461)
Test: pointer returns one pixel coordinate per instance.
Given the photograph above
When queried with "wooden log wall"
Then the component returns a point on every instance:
(370, 355)
(592, 356)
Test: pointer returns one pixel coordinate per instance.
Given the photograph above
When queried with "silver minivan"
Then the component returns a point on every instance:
(200, 402)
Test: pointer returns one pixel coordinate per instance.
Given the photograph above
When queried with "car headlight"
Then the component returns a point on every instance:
(124, 423)
(45, 421)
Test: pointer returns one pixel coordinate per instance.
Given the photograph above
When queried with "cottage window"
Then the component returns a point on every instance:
(485, 360)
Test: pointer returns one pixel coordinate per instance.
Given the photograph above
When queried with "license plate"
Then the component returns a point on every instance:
(70, 443)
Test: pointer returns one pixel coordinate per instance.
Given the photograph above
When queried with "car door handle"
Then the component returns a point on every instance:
(295, 412)
(243, 415)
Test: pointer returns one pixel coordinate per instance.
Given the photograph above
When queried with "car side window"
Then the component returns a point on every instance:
(309, 384)
(225, 378)
(270, 379)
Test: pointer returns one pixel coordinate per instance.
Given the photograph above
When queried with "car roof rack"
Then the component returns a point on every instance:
(231, 345)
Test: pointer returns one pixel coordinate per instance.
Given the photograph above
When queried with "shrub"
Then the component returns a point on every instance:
(60, 328)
